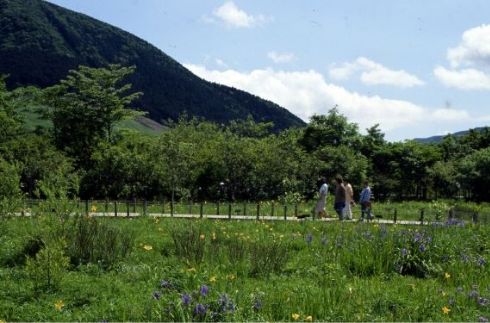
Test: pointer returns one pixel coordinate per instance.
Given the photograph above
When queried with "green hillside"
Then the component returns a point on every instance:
(40, 42)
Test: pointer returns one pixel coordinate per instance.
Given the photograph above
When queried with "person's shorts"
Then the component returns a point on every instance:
(339, 206)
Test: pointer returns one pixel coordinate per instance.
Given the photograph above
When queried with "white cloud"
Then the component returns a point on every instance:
(279, 58)
(305, 93)
(465, 79)
(233, 16)
(470, 61)
(373, 73)
(220, 63)
(474, 49)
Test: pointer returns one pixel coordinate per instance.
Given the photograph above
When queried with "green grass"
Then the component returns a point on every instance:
(33, 120)
(255, 271)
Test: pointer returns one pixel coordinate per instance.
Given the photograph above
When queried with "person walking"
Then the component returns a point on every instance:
(349, 200)
(339, 204)
(365, 201)
(322, 199)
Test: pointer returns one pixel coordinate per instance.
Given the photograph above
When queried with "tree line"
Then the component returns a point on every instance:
(85, 154)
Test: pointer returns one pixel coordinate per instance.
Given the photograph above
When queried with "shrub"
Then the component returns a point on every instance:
(91, 241)
(47, 268)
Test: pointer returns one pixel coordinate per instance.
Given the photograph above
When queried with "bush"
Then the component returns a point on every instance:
(91, 241)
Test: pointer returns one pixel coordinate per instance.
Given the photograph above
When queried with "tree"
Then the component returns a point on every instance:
(85, 107)
(332, 129)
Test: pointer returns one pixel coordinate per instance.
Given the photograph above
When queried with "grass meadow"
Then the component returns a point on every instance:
(55, 267)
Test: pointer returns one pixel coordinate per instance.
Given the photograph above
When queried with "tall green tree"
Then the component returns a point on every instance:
(85, 107)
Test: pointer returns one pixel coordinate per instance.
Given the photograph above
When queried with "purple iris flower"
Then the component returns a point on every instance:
(186, 299)
(204, 290)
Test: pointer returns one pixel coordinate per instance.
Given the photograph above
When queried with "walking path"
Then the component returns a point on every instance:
(248, 218)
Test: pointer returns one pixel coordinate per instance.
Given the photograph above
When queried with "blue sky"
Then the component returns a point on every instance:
(418, 68)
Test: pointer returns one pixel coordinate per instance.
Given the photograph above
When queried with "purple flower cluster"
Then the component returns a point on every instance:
(309, 238)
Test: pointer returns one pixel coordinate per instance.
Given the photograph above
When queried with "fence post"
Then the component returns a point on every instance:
(163, 206)
(115, 208)
(145, 205)
(190, 207)
(285, 212)
(475, 217)
(217, 208)
(86, 207)
(106, 207)
(229, 211)
(245, 208)
(395, 215)
(421, 216)
(127, 208)
(134, 205)
(272, 209)
(201, 210)
(172, 208)
(296, 210)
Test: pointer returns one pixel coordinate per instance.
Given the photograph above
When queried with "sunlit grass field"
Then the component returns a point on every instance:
(59, 268)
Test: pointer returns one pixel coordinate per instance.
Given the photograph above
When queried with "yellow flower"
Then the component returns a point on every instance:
(214, 236)
(202, 237)
(443, 293)
(191, 270)
(447, 275)
(309, 318)
(446, 310)
(295, 316)
(3, 321)
(231, 277)
(147, 247)
(59, 305)
(94, 208)
(212, 279)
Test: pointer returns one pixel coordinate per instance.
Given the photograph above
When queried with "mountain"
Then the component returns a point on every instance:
(438, 139)
(40, 42)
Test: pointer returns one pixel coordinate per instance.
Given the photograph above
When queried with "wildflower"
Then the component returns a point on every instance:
(157, 295)
(446, 310)
(186, 299)
(213, 236)
(295, 316)
(459, 289)
(482, 319)
(204, 290)
(93, 209)
(481, 261)
(443, 293)
(2, 321)
(212, 279)
(404, 252)
(482, 301)
(309, 318)
(192, 269)
(447, 275)
(165, 284)
(465, 258)
(231, 277)
(147, 247)
(309, 238)
(202, 237)
(200, 310)
(59, 305)
(451, 301)
(225, 303)
(422, 247)
(473, 294)
(324, 240)
(257, 305)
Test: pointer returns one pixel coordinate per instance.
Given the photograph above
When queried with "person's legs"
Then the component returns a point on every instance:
(339, 208)
(348, 211)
